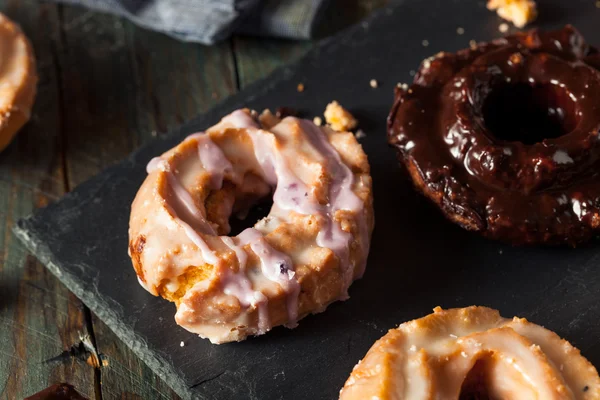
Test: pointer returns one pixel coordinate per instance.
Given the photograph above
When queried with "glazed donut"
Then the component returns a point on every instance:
(18, 80)
(504, 136)
(300, 258)
(472, 353)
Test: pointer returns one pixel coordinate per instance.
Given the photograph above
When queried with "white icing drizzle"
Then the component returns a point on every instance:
(188, 209)
(341, 197)
(238, 285)
(212, 158)
(277, 267)
(291, 193)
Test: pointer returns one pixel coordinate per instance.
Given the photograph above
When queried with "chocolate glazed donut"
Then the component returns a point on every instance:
(504, 137)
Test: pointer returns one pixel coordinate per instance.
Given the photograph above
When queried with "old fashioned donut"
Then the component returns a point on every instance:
(472, 353)
(504, 136)
(300, 258)
(18, 80)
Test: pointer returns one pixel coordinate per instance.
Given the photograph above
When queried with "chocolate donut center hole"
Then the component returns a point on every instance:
(519, 112)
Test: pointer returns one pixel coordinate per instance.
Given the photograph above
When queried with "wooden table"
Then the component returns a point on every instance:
(105, 88)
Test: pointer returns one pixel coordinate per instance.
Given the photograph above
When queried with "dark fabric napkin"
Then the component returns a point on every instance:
(208, 21)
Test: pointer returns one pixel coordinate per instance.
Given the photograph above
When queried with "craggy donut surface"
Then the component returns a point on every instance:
(504, 137)
(300, 258)
(472, 353)
(18, 79)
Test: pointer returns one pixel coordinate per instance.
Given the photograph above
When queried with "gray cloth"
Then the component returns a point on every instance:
(208, 21)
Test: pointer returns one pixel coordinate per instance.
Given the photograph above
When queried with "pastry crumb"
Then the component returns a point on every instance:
(425, 43)
(519, 12)
(182, 344)
(373, 83)
(402, 86)
(460, 30)
(412, 72)
(300, 87)
(472, 44)
(360, 134)
(317, 121)
(338, 118)
(503, 27)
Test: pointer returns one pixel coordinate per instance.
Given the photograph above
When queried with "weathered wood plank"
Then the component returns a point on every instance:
(121, 86)
(39, 318)
(257, 57)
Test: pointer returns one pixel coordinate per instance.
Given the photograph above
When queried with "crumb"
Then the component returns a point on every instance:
(339, 118)
(425, 43)
(300, 87)
(360, 134)
(373, 83)
(503, 27)
(182, 344)
(472, 44)
(318, 121)
(402, 86)
(267, 119)
(500, 252)
(519, 12)
(460, 30)
(412, 72)
(153, 133)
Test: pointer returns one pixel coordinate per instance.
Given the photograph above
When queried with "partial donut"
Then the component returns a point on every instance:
(504, 137)
(18, 80)
(296, 261)
(472, 353)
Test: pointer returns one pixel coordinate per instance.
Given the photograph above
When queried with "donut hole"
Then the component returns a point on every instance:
(476, 384)
(233, 208)
(247, 218)
(519, 112)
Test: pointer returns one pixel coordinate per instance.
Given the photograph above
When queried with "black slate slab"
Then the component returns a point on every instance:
(417, 261)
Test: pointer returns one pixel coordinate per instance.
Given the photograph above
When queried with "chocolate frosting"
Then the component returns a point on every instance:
(504, 136)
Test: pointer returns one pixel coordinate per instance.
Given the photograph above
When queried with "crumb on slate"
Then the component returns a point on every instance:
(460, 30)
(503, 27)
(519, 12)
(338, 118)
(425, 43)
(300, 87)
(182, 344)
(373, 83)
(402, 86)
(360, 134)
(472, 44)
(318, 121)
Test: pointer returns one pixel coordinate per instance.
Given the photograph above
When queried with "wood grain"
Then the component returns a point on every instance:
(39, 318)
(121, 87)
(105, 88)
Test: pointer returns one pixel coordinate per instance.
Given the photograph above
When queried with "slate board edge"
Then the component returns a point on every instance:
(26, 231)
(161, 367)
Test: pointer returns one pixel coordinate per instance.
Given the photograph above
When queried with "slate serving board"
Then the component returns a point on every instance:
(417, 260)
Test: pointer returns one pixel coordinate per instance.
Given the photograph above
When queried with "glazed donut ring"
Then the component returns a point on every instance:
(18, 79)
(472, 353)
(300, 258)
(504, 137)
